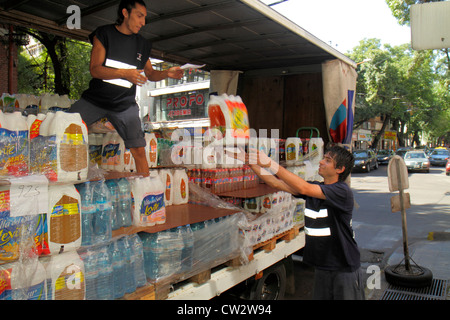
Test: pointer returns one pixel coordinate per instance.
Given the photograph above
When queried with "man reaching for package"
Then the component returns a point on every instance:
(330, 245)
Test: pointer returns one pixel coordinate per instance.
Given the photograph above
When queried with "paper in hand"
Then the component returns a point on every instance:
(192, 66)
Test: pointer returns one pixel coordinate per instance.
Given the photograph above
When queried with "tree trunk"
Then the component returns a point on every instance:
(387, 118)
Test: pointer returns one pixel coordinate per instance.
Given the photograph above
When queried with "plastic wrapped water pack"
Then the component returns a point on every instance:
(113, 269)
(185, 250)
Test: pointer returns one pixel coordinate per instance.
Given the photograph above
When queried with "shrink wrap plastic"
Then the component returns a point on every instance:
(184, 251)
(21, 274)
(278, 219)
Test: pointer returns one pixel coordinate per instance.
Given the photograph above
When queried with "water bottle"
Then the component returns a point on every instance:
(176, 249)
(87, 213)
(114, 191)
(130, 283)
(90, 274)
(138, 258)
(118, 265)
(105, 283)
(188, 248)
(124, 211)
(150, 261)
(102, 218)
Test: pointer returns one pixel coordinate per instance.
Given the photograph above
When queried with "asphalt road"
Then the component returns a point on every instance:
(378, 231)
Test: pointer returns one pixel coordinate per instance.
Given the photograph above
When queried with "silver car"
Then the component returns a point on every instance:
(417, 161)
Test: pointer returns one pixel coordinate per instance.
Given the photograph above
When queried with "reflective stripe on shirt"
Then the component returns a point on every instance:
(322, 213)
(318, 232)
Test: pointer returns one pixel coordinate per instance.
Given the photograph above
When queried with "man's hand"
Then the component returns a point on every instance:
(175, 73)
(260, 158)
(135, 76)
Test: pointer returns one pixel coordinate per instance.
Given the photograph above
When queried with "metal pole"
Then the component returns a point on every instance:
(403, 211)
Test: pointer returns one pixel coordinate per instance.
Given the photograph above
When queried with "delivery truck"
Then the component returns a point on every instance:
(287, 78)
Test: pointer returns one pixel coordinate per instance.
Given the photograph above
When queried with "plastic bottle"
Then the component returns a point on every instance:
(316, 143)
(167, 180)
(37, 144)
(151, 149)
(105, 283)
(138, 257)
(149, 207)
(113, 148)
(180, 187)
(124, 211)
(129, 280)
(120, 164)
(176, 249)
(88, 209)
(14, 134)
(67, 277)
(63, 218)
(148, 244)
(187, 254)
(294, 151)
(45, 102)
(91, 272)
(118, 266)
(114, 191)
(36, 277)
(95, 148)
(102, 217)
(11, 281)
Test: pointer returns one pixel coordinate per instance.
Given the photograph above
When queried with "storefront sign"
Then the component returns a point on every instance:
(364, 135)
(185, 105)
(390, 135)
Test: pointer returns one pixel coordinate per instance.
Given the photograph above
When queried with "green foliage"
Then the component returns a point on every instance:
(403, 85)
(37, 73)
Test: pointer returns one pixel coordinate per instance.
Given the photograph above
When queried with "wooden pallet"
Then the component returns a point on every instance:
(146, 292)
(271, 244)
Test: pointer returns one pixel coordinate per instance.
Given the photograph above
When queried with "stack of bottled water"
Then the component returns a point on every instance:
(105, 206)
(113, 269)
(120, 191)
(168, 252)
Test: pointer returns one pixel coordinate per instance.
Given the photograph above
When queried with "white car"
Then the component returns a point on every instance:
(417, 161)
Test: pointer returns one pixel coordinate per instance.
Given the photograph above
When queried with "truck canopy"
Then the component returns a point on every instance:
(223, 34)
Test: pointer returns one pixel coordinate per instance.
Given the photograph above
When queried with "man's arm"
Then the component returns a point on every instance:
(288, 181)
(98, 71)
(156, 75)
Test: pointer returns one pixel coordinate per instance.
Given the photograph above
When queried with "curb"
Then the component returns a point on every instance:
(438, 236)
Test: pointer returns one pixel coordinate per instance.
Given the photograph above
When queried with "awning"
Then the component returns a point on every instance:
(223, 34)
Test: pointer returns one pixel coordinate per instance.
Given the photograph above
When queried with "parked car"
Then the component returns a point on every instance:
(402, 151)
(383, 156)
(365, 160)
(417, 161)
(439, 157)
(447, 168)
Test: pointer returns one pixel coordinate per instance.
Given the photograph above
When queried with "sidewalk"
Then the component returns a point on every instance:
(433, 254)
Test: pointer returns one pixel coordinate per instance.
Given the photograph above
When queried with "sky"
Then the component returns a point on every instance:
(343, 23)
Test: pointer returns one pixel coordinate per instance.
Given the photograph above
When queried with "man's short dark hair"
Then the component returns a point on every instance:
(129, 5)
(343, 158)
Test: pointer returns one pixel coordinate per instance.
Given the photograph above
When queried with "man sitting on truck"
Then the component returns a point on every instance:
(120, 62)
(330, 245)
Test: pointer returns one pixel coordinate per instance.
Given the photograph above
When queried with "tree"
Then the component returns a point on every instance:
(441, 83)
(62, 68)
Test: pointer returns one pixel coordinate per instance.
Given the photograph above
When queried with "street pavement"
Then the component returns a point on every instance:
(379, 231)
